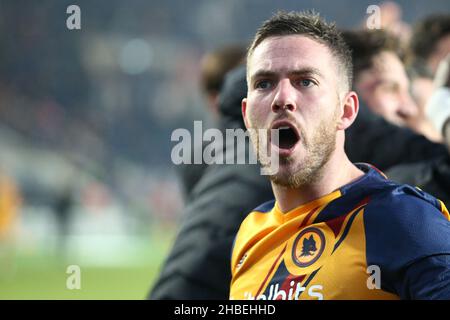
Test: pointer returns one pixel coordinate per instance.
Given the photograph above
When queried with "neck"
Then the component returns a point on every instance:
(337, 172)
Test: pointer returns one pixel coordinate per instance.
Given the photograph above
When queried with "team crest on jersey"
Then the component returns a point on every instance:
(309, 249)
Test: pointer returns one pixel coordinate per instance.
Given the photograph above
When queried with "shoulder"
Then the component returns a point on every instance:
(405, 205)
(404, 224)
(257, 219)
(256, 222)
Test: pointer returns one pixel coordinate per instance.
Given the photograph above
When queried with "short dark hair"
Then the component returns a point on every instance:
(427, 33)
(311, 25)
(217, 63)
(365, 45)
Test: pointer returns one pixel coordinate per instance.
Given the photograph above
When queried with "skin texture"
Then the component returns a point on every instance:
(295, 78)
(421, 91)
(385, 89)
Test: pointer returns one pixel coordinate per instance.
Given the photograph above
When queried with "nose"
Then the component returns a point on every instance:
(285, 97)
(407, 105)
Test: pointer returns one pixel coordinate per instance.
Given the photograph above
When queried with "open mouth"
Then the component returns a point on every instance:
(287, 136)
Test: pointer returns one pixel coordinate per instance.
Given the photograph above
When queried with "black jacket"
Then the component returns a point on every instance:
(198, 266)
(432, 176)
(373, 140)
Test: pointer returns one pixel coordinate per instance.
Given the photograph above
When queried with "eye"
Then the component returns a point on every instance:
(263, 84)
(306, 83)
(389, 87)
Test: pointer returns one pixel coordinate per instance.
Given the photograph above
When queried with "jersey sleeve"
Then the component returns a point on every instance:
(408, 237)
(427, 279)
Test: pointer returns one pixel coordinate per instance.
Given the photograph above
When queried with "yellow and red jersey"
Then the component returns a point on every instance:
(371, 239)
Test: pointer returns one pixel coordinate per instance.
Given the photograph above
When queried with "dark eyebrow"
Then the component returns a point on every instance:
(263, 74)
(307, 71)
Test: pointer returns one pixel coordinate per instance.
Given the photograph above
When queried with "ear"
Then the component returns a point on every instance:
(349, 112)
(244, 112)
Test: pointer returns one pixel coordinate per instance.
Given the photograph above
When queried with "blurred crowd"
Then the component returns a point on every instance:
(86, 115)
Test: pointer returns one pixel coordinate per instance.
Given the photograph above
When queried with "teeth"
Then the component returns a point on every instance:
(282, 128)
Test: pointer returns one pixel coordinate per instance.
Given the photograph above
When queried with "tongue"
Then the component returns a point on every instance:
(287, 138)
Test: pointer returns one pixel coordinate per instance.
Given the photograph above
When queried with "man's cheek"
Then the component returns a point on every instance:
(260, 120)
(254, 117)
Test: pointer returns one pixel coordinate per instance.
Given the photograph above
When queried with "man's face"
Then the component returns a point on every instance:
(385, 89)
(293, 87)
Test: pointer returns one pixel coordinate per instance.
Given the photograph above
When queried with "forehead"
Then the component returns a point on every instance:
(291, 52)
(388, 65)
(386, 60)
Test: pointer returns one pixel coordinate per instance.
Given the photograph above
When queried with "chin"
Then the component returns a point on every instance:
(289, 175)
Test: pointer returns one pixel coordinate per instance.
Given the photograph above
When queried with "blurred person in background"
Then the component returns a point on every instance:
(198, 265)
(430, 42)
(381, 135)
(429, 46)
(382, 83)
(214, 67)
(381, 80)
(63, 207)
(422, 88)
(433, 175)
(10, 200)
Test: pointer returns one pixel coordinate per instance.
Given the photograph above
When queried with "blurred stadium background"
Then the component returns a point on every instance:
(85, 122)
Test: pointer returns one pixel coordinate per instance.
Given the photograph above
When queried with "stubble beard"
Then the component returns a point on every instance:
(318, 152)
